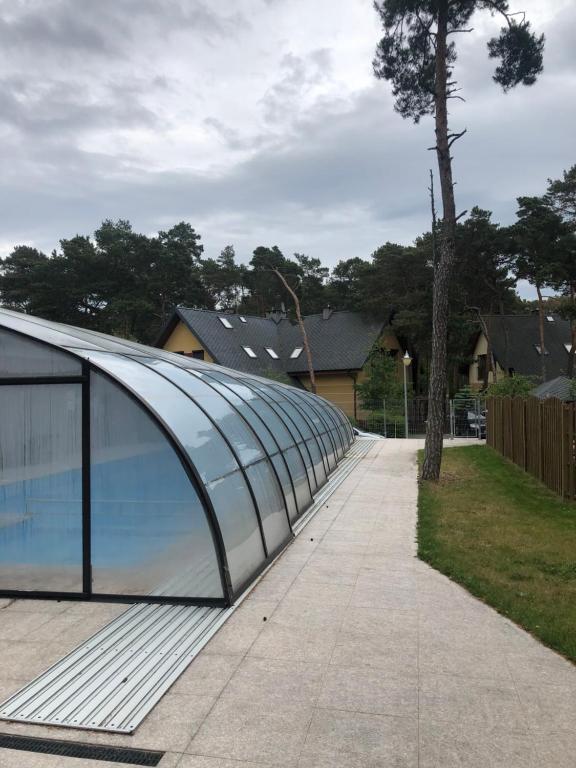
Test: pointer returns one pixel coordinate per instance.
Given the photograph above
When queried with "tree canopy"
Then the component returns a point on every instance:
(123, 282)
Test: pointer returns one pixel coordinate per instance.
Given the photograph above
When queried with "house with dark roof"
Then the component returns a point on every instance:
(340, 342)
(515, 345)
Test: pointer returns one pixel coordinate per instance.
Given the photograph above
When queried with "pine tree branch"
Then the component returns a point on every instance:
(508, 16)
(455, 136)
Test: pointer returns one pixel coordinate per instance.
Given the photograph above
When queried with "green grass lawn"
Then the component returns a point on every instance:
(506, 538)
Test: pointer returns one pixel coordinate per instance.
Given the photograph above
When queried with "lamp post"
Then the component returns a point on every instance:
(406, 360)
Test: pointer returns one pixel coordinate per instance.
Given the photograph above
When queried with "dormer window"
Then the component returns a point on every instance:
(225, 322)
(242, 318)
(271, 352)
(539, 349)
(250, 352)
(295, 353)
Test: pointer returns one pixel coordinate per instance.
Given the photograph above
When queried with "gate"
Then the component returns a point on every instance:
(463, 417)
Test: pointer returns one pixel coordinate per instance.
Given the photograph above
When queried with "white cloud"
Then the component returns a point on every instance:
(259, 121)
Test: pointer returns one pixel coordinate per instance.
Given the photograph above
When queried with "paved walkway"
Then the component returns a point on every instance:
(350, 653)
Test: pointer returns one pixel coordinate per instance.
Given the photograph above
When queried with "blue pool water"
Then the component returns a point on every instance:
(141, 506)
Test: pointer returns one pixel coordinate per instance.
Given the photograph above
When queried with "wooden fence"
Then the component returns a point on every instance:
(537, 435)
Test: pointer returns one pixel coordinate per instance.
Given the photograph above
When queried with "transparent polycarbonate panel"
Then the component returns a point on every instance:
(150, 533)
(317, 407)
(74, 337)
(289, 408)
(39, 329)
(330, 424)
(328, 444)
(254, 420)
(284, 476)
(41, 487)
(20, 356)
(344, 429)
(217, 408)
(259, 413)
(305, 407)
(343, 426)
(297, 437)
(192, 428)
(279, 396)
(317, 460)
(270, 503)
(299, 478)
(239, 526)
(269, 416)
(290, 425)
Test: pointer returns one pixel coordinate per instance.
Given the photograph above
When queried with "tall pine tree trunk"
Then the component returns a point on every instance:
(444, 268)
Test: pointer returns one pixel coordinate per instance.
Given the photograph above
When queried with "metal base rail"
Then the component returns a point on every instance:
(116, 677)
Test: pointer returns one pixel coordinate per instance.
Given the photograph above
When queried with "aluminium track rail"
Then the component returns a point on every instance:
(115, 678)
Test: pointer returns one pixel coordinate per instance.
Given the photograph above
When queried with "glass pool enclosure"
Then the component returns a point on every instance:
(129, 472)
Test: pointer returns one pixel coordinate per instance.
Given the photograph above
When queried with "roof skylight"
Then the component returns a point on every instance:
(568, 346)
(249, 351)
(225, 322)
(242, 318)
(295, 353)
(550, 318)
(539, 349)
(271, 352)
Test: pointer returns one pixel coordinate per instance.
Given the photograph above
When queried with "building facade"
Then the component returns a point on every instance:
(340, 344)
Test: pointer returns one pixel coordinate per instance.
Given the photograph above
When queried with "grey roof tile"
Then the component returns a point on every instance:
(560, 387)
(514, 339)
(340, 342)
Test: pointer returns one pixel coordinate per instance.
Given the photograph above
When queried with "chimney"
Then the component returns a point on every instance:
(326, 312)
(276, 315)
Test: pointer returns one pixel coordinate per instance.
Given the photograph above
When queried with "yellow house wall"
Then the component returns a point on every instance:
(336, 387)
(481, 348)
(183, 340)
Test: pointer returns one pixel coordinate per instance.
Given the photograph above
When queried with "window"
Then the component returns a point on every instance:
(271, 352)
(242, 318)
(250, 352)
(539, 349)
(198, 354)
(225, 322)
(295, 353)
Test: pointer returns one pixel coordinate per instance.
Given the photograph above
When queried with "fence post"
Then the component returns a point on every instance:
(540, 441)
(563, 451)
(525, 433)
(478, 430)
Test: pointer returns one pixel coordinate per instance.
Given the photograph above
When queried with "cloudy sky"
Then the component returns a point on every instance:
(259, 121)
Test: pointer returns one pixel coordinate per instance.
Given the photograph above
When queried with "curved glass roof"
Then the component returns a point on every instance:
(184, 483)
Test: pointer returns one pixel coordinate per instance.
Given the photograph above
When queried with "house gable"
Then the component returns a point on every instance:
(181, 339)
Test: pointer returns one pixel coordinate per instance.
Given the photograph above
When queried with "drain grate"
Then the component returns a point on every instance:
(82, 751)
